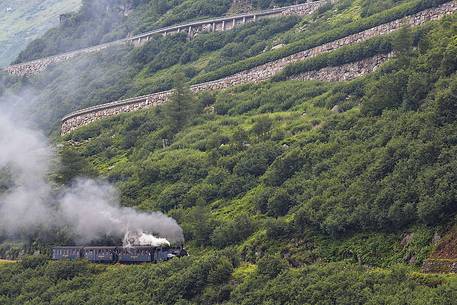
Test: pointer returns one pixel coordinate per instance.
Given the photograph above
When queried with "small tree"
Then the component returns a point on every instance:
(240, 137)
(403, 41)
(73, 165)
(263, 127)
(181, 106)
(201, 227)
(279, 204)
(271, 266)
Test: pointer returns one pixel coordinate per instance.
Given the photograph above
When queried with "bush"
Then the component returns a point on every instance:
(271, 266)
(35, 261)
(280, 203)
(232, 232)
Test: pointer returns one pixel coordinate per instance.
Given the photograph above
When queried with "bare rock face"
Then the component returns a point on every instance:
(336, 109)
(443, 259)
(407, 238)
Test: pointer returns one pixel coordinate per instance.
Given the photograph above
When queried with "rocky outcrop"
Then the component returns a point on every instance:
(192, 29)
(443, 259)
(268, 70)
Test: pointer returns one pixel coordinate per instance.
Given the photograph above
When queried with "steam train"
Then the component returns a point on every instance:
(122, 255)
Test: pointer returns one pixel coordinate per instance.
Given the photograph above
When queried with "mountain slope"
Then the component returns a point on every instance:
(23, 21)
(288, 191)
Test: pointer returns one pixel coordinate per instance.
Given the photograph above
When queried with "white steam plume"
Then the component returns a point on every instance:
(139, 238)
(90, 209)
(26, 155)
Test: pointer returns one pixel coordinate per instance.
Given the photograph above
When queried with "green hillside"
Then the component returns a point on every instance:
(288, 192)
(23, 21)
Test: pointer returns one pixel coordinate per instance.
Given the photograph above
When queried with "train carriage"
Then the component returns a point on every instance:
(122, 255)
(100, 254)
(71, 253)
(136, 255)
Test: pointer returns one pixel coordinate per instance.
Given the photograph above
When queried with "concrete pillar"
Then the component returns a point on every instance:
(179, 30)
(213, 27)
(223, 25)
(253, 18)
(234, 22)
(244, 20)
(190, 32)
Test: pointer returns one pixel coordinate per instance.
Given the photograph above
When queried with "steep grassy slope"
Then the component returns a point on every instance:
(282, 199)
(121, 73)
(276, 150)
(23, 21)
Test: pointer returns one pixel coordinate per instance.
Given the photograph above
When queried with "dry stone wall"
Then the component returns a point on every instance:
(36, 66)
(345, 72)
(268, 70)
(439, 266)
(192, 29)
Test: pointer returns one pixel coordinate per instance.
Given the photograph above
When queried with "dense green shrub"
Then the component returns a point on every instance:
(232, 232)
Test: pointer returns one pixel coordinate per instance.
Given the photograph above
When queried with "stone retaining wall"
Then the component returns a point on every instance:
(192, 29)
(339, 73)
(345, 72)
(36, 66)
(439, 266)
(266, 71)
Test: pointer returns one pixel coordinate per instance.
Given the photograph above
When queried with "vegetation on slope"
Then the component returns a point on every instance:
(125, 72)
(276, 148)
(217, 279)
(284, 198)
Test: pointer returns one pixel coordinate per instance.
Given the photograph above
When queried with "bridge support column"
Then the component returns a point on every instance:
(234, 22)
(244, 20)
(213, 27)
(190, 32)
(223, 25)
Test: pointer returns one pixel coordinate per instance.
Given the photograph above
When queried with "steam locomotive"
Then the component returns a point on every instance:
(122, 255)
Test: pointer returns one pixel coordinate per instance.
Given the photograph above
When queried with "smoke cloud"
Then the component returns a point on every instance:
(90, 209)
(26, 157)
